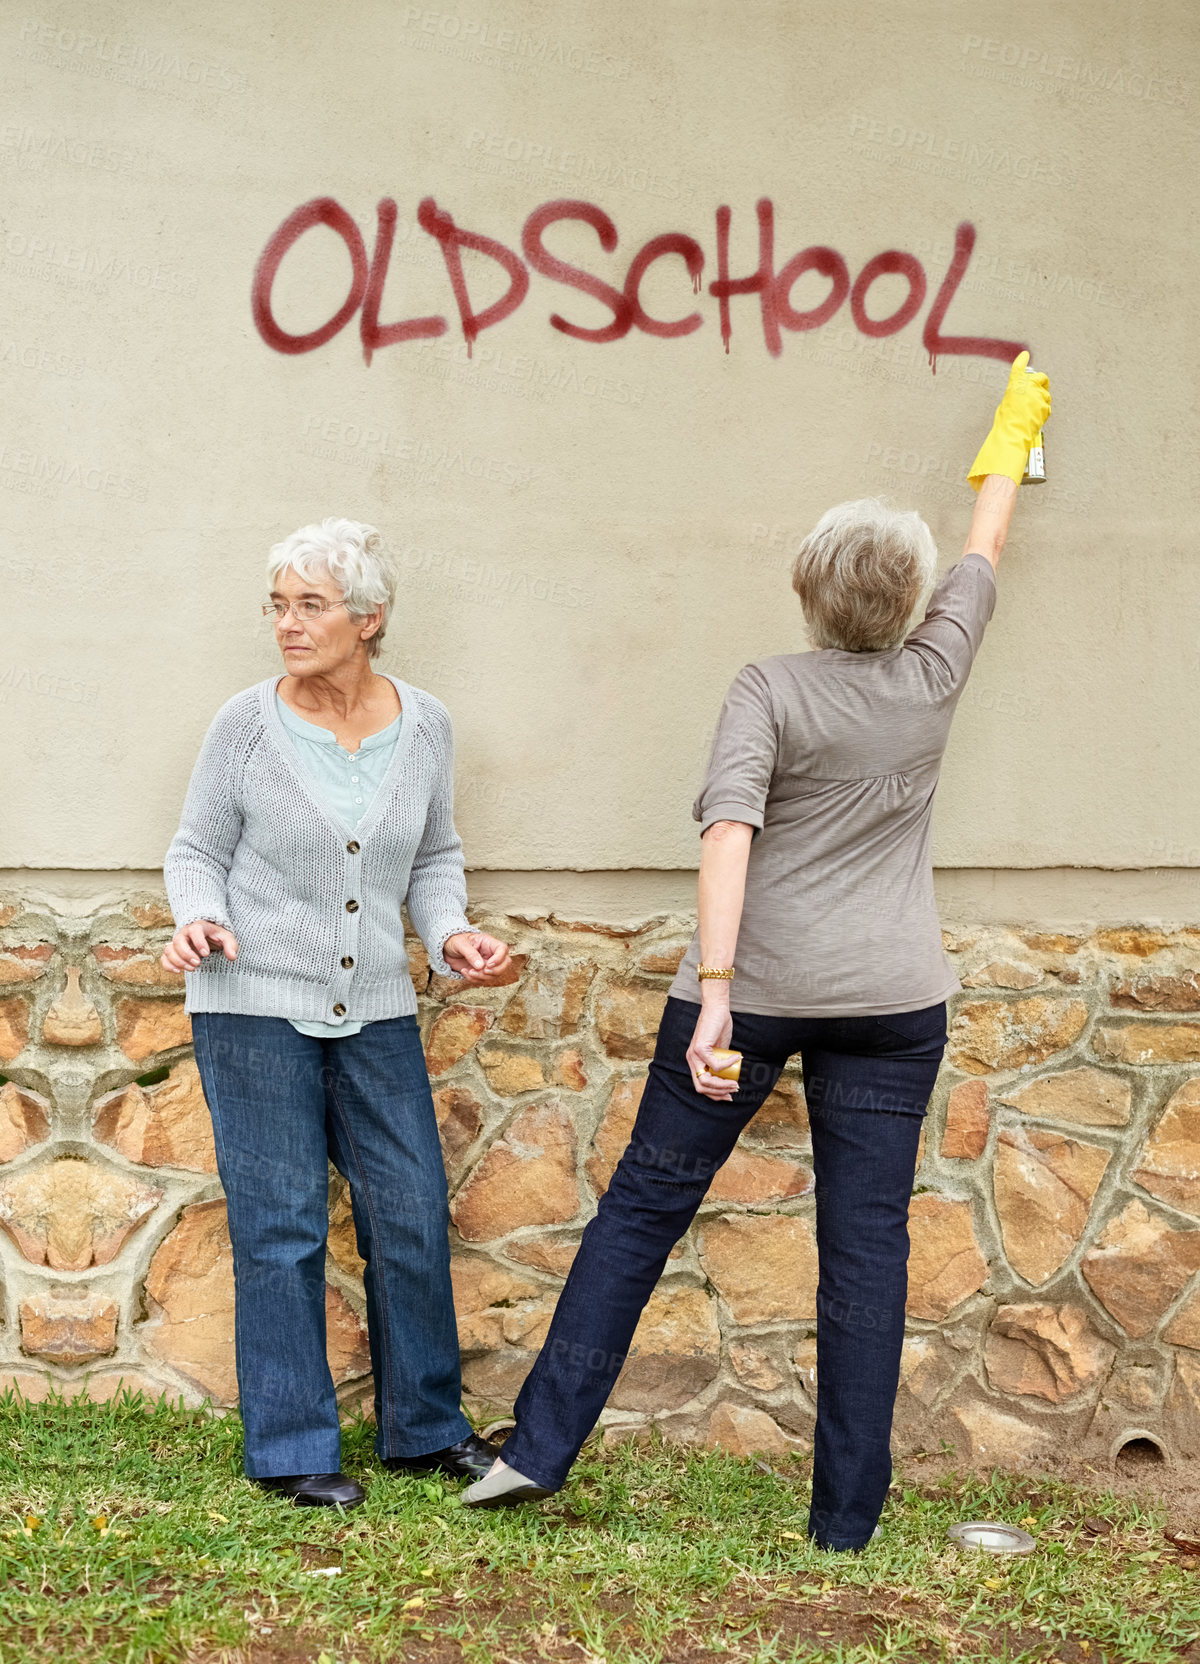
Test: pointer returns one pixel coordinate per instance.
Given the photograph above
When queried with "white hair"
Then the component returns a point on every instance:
(862, 572)
(349, 553)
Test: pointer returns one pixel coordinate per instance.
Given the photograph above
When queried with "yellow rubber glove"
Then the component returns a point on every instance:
(1020, 417)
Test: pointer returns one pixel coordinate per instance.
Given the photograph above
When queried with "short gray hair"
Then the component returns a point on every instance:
(861, 573)
(349, 553)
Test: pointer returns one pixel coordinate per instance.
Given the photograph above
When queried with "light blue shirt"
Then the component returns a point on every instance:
(349, 781)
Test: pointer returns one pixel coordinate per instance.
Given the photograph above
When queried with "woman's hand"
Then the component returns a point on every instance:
(1020, 417)
(714, 1028)
(191, 944)
(477, 958)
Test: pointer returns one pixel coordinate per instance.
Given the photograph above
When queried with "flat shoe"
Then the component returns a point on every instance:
(470, 1458)
(519, 1493)
(316, 1490)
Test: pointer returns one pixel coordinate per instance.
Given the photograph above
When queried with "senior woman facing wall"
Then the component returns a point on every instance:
(816, 894)
(321, 801)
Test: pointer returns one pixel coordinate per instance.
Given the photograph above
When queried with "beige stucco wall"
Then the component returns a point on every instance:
(592, 537)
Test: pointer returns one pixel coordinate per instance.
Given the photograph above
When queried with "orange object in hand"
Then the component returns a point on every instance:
(729, 1064)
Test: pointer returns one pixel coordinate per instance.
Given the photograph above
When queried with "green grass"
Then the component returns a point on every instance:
(128, 1534)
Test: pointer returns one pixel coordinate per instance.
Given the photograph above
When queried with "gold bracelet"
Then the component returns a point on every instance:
(705, 972)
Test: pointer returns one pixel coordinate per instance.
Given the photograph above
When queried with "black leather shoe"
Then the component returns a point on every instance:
(316, 1490)
(470, 1458)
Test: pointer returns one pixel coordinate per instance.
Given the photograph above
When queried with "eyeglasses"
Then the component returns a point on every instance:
(303, 610)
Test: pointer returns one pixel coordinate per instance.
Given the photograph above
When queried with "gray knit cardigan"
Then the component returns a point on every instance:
(315, 903)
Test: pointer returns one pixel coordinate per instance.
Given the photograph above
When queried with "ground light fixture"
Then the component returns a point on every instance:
(991, 1537)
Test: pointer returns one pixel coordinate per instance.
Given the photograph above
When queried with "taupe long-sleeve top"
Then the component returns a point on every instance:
(833, 758)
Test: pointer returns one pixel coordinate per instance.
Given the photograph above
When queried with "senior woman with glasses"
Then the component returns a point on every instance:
(818, 934)
(323, 799)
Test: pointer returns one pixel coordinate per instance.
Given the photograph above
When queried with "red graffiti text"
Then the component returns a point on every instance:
(770, 285)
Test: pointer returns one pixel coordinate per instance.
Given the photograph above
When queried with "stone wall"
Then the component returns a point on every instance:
(1054, 1302)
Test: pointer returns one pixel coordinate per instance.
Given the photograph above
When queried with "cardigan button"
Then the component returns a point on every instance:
(339, 1010)
(352, 907)
(347, 962)
(353, 846)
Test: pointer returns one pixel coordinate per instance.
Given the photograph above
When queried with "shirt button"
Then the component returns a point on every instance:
(339, 1010)
(347, 962)
(354, 779)
(352, 907)
(353, 847)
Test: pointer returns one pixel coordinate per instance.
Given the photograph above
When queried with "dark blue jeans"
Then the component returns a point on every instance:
(867, 1082)
(283, 1105)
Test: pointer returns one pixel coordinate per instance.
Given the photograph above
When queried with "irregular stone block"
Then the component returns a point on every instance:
(166, 1125)
(1184, 1327)
(997, 1440)
(342, 1241)
(1149, 1043)
(1136, 1384)
(1139, 1267)
(805, 1360)
(750, 1178)
(418, 963)
(14, 1028)
(753, 1367)
(146, 1027)
(1045, 1351)
(569, 1071)
(628, 1013)
(674, 1354)
(1134, 941)
(1003, 973)
(549, 1004)
(945, 1265)
(1051, 942)
(526, 1178)
(453, 1034)
(1170, 1163)
(190, 1282)
(24, 1120)
(151, 915)
(69, 1214)
(555, 1255)
(511, 1073)
(1158, 993)
(663, 959)
(1044, 1184)
(614, 1132)
(1181, 1410)
(1003, 1034)
(25, 964)
(764, 1266)
(967, 1121)
(1091, 1097)
(782, 1121)
(744, 1431)
(68, 1326)
(72, 1020)
(459, 1120)
(924, 1368)
(139, 966)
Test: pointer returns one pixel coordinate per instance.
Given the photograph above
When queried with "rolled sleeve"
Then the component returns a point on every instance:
(744, 752)
(950, 635)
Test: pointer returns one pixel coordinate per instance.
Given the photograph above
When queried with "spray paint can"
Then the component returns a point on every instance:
(1035, 468)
